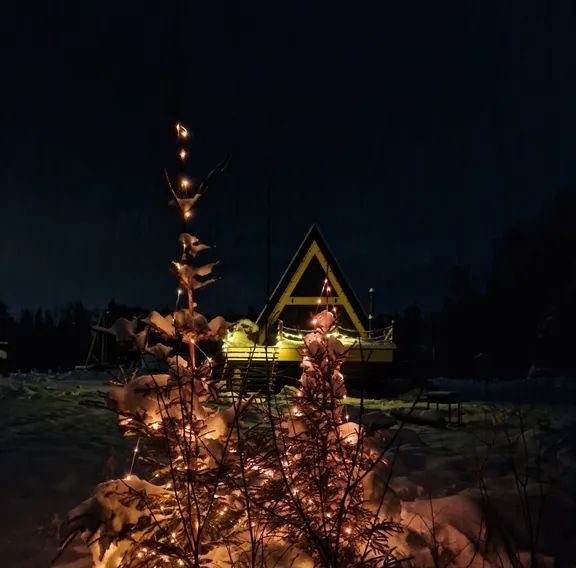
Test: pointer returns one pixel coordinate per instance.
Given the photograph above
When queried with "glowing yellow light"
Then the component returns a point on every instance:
(181, 130)
(128, 478)
(187, 215)
(348, 530)
(155, 426)
(314, 322)
(179, 291)
(328, 289)
(184, 183)
(182, 154)
(319, 301)
(325, 280)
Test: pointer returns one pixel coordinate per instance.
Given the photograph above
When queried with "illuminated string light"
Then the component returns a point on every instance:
(129, 476)
(181, 131)
(184, 183)
(183, 154)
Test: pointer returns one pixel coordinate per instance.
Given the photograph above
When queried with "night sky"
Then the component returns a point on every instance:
(414, 135)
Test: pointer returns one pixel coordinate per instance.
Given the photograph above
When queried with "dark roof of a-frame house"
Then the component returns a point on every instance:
(313, 238)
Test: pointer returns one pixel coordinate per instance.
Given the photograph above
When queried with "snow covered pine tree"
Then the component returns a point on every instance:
(327, 477)
(175, 508)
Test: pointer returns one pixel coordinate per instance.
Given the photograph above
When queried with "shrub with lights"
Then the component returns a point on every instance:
(174, 506)
(299, 485)
(327, 477)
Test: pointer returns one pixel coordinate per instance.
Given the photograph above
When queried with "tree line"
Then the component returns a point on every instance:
(522, 315)
(521, 319)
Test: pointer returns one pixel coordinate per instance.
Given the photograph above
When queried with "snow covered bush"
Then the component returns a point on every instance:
(297, 486)
(180, 509)
(326, 477)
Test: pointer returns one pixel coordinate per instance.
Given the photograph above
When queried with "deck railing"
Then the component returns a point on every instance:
(382, 335)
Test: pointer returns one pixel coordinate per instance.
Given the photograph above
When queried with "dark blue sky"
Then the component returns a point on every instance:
(413, 134)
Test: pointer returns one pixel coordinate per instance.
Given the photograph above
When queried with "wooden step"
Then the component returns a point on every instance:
(250, 368)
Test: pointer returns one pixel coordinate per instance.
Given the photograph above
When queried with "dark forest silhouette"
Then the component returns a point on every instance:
(523, 317)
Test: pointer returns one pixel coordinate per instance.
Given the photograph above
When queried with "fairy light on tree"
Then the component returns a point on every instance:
(323, 492)
(204, 490)
(174, 504)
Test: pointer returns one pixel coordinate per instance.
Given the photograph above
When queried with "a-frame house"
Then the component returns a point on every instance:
(313, 281)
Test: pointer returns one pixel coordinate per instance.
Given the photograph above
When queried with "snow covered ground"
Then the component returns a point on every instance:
(450, 483)
(506, 478)
(54, 449)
